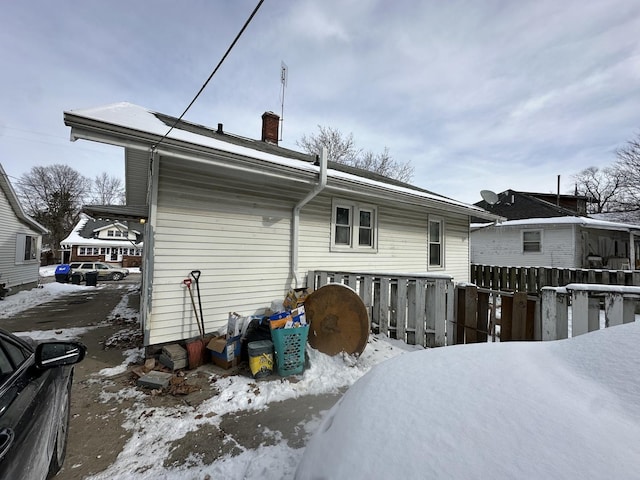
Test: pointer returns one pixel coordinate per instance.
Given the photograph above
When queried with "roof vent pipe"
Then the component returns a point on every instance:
(295, 220)
(219, 128)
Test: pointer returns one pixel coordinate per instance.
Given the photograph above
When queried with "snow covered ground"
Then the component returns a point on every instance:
(581, 394)
(152, 438)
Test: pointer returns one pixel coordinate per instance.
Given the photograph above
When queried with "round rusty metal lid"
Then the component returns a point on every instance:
(338, 320)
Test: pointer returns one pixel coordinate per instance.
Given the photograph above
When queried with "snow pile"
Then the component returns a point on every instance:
(565, 409)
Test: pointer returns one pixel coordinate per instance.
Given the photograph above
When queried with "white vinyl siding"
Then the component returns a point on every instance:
(504, 246)
(456, 247)
(402, 242)
(239, 238)
(15, 270)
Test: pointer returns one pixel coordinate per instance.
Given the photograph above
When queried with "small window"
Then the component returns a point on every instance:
(82, 251)
(435, 243)
(26, 248)
(354, 227)
(532, 241)
(110, 233)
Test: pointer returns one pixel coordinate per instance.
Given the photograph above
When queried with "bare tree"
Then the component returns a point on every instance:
(107, 190)
(628, 164)
(341, 149)
(603, 187)
(53, 196)
(383, 164)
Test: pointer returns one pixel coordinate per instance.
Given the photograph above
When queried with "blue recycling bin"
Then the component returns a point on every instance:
(62, 273)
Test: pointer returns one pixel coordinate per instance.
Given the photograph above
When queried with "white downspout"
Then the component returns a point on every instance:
(295, 221)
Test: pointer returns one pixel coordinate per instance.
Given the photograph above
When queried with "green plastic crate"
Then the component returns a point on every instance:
(289, 345)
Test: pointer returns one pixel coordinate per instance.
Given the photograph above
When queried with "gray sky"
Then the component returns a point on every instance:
(476, 94)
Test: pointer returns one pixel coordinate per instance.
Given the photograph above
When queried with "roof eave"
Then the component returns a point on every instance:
(99, 131)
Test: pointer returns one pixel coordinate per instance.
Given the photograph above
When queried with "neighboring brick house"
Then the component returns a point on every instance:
(113, 242)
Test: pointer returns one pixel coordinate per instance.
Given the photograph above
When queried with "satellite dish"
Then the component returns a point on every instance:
(488, 196)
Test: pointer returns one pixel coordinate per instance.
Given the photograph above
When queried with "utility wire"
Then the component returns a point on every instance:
(246, 24)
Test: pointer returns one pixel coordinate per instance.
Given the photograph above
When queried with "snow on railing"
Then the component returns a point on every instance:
(579, 308)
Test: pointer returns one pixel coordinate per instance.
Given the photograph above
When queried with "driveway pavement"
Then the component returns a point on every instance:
(96, 435)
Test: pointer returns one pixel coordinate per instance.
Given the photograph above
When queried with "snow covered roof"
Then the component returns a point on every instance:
(133, 123)
(582, 221)
(82, 234)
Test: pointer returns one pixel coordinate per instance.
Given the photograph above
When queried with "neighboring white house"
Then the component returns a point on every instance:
(20, 241)
(111, 242)
(561, 242)
(254, 218)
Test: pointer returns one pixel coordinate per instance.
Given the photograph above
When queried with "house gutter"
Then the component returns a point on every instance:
(295, 220)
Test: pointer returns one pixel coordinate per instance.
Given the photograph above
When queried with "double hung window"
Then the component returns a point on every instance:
(353, 227)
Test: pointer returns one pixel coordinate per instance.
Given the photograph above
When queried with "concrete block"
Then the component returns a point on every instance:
(155, 380)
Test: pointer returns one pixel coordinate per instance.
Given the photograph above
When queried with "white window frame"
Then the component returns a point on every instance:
(440, 242)
(21, 249)
(540, 241)
(354, 216)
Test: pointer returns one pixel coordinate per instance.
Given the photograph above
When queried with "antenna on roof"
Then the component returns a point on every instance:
(284, 74)
(488, 196)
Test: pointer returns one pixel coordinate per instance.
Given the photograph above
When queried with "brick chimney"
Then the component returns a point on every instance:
(270, 125)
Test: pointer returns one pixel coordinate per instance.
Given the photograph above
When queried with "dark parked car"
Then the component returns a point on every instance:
(35, 388)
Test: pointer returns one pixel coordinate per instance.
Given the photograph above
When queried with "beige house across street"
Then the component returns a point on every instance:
(112, 242)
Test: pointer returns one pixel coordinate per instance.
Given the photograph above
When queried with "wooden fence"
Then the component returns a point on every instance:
(533, 279)
(428, 310)
(480, 311)
(581, 308)
(413, 308)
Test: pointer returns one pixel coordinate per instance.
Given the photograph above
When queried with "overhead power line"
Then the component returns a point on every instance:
(235, 40)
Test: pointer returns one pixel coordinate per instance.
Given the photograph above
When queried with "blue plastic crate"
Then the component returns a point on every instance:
(289, 345)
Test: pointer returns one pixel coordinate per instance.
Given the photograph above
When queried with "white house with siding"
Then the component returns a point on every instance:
(20, 241)
(254, 218)
(559, 242)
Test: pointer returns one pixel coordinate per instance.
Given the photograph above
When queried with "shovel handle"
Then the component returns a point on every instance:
(187, 282)
(195, 274)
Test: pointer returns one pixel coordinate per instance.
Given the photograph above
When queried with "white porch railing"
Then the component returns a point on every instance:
(413, 308)
(575, 309)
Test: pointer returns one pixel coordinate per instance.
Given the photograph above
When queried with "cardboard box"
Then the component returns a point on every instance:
(225, 352)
